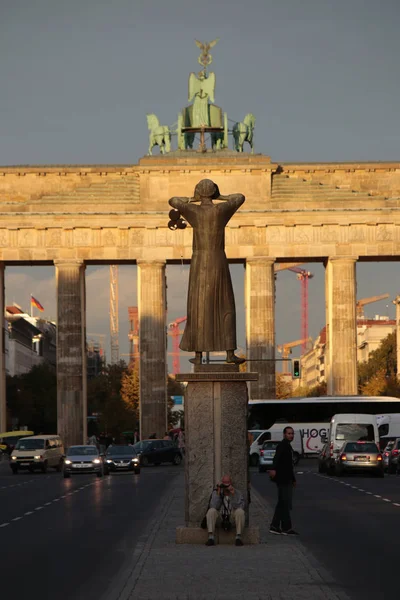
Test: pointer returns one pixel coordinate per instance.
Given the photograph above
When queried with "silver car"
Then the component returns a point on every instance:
(359, 456)
(83, 459)
(267, 454)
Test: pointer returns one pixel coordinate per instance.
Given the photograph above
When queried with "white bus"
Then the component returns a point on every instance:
(313, 415)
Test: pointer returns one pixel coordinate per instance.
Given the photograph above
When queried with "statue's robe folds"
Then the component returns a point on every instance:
(211, 314)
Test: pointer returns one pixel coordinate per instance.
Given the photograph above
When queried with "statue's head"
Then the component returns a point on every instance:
(206, 189)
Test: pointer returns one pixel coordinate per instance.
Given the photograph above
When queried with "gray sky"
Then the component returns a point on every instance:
(78, 77)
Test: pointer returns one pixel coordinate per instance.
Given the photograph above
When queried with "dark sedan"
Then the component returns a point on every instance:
(155, 452)
(122, 458)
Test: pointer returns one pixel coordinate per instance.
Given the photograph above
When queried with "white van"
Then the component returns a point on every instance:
(37, 452)
(350, 428)
(389, 425)
(275, 432)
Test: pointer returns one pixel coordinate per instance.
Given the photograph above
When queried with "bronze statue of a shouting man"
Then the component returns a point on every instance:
(211, 314)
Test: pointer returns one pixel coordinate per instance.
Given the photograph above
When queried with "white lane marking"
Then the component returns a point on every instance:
(354, 487)
(300, 473)
(38, 508)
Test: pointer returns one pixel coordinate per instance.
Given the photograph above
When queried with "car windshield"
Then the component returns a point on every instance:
(270, 445)
(113, 450)
(82, 451)
(355, 432)
(360, 447)
(389, 446)
(253, 435)
(29, 444)
(139, 446)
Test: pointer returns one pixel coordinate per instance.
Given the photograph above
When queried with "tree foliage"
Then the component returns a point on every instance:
(377, 376)
(32, 399)
(283, 386)
(382, 359)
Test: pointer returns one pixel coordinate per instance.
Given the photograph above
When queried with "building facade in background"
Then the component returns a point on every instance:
(30, 341)
(370, 334)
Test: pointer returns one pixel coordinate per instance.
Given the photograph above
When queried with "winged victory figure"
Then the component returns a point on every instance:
(201, 90)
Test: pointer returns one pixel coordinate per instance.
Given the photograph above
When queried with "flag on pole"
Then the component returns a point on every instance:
(36, 303)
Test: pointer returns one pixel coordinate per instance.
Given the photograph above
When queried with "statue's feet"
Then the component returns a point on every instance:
(197, 359)
(233, 359)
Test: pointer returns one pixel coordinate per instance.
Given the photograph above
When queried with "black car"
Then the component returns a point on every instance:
(155, 452)
(121, 458)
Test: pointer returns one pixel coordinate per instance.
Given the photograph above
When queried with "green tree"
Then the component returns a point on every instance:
(130, 392)
(105, 399)
(283, 386)
(32, 399)
(382, 359)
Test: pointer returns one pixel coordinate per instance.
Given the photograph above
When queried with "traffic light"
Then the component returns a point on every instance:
(296, 368)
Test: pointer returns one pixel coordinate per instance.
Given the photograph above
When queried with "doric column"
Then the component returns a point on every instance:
(396, 301)
(327, 328)
(260, 324)
(152, 347)
(342, 326)
(3, 399)
(71, 352)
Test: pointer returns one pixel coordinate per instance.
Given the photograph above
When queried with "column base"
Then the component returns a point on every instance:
(197, 535)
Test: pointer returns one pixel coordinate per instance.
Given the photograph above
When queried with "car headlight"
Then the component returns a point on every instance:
(97, 461)
(13, 458)
(38, 457)
(67, 461)
(109, 460)
(135, 460)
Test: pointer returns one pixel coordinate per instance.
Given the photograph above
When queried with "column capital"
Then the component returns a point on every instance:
(343, 259)
(142, 262)
(69, 262)
(261, 259)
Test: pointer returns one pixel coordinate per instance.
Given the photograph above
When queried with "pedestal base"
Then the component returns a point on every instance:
(197, 535)
(216, 441)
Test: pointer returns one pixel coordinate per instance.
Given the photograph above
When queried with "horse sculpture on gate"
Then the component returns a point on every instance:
(160, 135)
(243, 132)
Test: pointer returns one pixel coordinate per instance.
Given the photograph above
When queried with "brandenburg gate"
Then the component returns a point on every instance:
(73, 216)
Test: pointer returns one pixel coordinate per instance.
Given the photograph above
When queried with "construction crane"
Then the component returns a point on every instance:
(114, 319)
(303, 276)
(133, 334)
(286, 349)
(361, 303)
(175, 332)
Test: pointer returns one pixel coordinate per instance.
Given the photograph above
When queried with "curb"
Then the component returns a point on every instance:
(127, 579)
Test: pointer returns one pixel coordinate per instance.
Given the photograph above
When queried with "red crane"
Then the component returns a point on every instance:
(303, 276)
(175, 332)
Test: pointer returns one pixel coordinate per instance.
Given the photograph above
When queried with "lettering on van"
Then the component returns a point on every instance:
(312, 438)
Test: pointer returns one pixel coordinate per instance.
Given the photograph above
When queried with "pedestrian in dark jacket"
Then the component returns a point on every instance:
(282, 474)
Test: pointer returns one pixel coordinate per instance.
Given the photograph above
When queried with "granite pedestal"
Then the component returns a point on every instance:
(216, 441)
